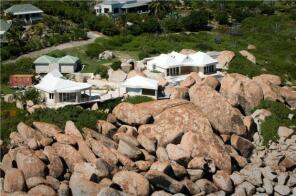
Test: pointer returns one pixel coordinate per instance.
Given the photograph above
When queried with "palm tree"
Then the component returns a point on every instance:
(159, 7)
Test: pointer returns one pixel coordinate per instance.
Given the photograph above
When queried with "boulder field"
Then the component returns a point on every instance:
(207, 145)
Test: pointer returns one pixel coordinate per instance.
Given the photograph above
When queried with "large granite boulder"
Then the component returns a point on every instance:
(29, 163)
(117, 76)
(168, 128)
(142, 113)
(241, 91)
(223, 117)
(132, 183)
(14, 180)
(225, 58)
(269, 85)
(248, 56)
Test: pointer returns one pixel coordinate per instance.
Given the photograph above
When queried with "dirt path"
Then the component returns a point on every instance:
(91, 35)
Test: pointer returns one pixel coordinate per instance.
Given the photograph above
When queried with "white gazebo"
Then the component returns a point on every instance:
(139, 85)
(176, 64)
(59, 90)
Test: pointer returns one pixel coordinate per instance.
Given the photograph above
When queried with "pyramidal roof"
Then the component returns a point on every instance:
(141, 82)
(22, 9)
(45, 59)
(201, 58)
(68, 59)
(53, 82)
(4, 26)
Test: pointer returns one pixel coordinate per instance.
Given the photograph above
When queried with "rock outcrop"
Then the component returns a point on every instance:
(205, 146)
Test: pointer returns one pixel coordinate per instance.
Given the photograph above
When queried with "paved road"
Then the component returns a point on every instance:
(91, 35)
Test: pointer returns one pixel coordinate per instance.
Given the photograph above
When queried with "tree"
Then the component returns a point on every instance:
(222, 17)
(160, 7)
(93, 50)
(172, 23)
(197, 20)
(150, 25)
(116, 65)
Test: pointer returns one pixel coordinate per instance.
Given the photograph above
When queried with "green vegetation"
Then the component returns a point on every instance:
(11, 116)
(81, 118)
(21, 66)
(274, 51)
(47, 32)
(138, 99)
(31, 94)
(116, 65)
(79, 13)
(278, 118)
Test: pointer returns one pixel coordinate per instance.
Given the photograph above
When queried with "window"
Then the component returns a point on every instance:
(148, 92)
(106, 10)
(51, 95)
(116, 10)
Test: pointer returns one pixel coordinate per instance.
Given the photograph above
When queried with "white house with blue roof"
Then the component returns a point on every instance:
(4, 27)
(27, 13)
(117, 7)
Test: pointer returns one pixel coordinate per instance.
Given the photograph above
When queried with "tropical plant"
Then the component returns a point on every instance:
(160, 7)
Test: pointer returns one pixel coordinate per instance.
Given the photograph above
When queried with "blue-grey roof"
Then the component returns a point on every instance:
(4, 26)
(126, 3)
(135, 4)
(23, 8)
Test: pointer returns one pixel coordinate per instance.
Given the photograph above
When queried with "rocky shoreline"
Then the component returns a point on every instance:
(210, 145)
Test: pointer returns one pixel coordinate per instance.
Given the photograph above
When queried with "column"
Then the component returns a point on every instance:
(76, 97)
(89, 94)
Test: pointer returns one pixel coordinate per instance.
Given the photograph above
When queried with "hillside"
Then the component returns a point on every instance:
(202, 146)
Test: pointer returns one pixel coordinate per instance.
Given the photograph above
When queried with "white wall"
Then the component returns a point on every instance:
(67, 68)
(41, 68)
(137, 92)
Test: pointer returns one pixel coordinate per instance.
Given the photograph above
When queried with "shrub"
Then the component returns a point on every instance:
(81, 118)
(150, 25)
(10, 117)
(32, 94)
(143, 55)
(138, 99)
(116, 65)
(172, 23)
(196, 21)
(103, 71)
(222, 17)
(93, 50)
(21, 66)
(278, 118)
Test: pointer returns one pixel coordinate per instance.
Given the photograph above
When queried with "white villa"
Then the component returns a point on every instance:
(117, 7)
(4, 27)
(66, 64)
(58, 90)
(175, 64)
(139, 85)
(25, 12)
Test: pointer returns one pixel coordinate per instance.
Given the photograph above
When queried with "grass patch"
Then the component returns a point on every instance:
(278, 118)
(138, 99)
(273, 36)
(11, 116)
(5, 89)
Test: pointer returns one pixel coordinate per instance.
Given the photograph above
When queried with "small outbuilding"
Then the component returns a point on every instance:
(139, 85)
(66, 64)
(20, 80)
(58, 90)
(27, 13)
(4, 27)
